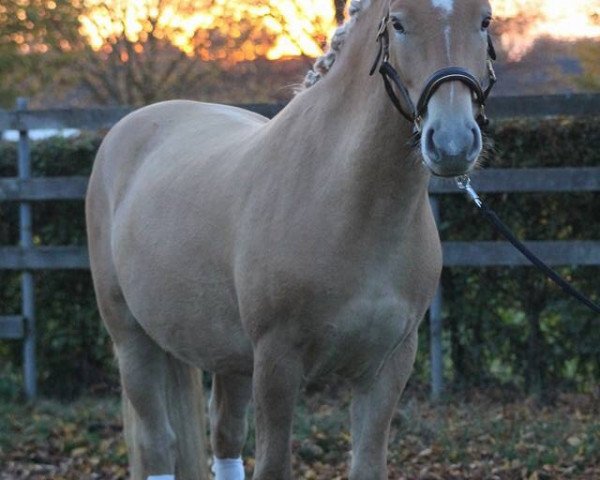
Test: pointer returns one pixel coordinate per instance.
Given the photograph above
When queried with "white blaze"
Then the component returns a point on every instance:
(447, 37)
(445, 5)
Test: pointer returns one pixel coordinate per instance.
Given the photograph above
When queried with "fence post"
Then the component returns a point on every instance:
(27, 285)
(435, 328)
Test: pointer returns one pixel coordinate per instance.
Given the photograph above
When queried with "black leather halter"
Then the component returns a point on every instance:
(405, 105)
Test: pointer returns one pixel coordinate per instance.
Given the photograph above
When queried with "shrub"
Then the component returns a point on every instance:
(504, 326)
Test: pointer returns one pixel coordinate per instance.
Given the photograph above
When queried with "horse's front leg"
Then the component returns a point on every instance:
(276, 381)
(373, 403)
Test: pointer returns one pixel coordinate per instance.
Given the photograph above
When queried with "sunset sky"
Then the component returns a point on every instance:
(306, 19)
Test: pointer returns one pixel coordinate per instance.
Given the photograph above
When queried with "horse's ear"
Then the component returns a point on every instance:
(491, 49)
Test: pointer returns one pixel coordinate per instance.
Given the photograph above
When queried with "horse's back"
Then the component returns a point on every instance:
(176, 131)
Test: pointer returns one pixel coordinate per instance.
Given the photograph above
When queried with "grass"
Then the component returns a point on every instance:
(467, 438)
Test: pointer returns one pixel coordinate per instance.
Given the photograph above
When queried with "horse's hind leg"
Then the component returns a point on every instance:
(231, 395)
(373, 405)
(143, 367)
(163, 402)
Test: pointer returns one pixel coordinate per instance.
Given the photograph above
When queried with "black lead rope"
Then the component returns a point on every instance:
(464, 183)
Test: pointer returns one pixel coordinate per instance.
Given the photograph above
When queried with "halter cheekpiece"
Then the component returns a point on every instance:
(404, 104)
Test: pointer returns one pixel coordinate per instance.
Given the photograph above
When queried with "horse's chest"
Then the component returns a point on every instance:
(363, 332)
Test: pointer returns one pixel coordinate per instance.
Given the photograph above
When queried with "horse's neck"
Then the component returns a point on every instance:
(347, 122)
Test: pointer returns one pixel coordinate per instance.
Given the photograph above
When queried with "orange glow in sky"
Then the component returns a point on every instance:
(561, 19)
(296, 23)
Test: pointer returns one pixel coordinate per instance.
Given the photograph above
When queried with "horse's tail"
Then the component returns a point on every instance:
(186, 410)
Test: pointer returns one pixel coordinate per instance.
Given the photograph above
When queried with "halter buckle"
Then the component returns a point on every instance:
(482, 118)
(382, 27)
(418, 121)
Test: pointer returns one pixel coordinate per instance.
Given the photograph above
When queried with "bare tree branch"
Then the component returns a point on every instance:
(340, 7)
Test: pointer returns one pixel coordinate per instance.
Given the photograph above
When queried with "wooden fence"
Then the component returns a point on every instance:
(27, 190)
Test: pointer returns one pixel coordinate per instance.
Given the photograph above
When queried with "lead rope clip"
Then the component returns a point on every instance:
(464, 183)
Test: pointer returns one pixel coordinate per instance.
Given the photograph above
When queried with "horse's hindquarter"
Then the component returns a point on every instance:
(167, 170)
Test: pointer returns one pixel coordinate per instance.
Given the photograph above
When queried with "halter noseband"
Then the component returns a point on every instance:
(414, 114)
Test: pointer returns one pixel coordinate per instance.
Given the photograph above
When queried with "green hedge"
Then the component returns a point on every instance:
(74, 353)
(503, 326)
(510, 325)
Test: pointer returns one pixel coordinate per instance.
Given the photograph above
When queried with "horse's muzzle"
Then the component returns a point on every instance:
(451, 150)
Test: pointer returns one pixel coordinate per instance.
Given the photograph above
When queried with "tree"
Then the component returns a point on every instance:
(138, 52)
(307, 33)
(340, 8)
(515, 35)
(588, 52)
(168, 49)
(141, 52)
(36, 40)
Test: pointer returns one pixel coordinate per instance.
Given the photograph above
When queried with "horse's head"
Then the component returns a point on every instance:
(439, 51)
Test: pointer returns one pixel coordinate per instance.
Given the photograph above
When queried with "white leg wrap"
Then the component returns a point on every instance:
(228, 468)
(161, 477)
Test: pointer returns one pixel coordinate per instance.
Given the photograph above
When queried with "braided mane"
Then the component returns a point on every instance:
(324, 63)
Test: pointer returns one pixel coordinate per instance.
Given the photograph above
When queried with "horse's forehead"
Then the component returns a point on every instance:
(445, 8)
(446, 5)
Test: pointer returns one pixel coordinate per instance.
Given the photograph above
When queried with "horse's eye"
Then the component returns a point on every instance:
(397, 25)
(486, 23)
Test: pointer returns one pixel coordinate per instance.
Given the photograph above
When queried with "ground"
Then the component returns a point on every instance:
(474, 437)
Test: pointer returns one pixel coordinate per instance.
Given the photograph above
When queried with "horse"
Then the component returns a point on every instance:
(276, 253)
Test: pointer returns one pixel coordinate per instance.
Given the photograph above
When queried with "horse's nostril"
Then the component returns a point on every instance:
(432, 151)
(475, 146)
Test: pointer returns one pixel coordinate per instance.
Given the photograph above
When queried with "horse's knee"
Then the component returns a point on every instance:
(373, 406)
(227, 437)
(157, 446)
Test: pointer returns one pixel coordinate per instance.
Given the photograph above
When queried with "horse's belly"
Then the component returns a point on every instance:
(199, 325)
(186, 304)
(176, 278)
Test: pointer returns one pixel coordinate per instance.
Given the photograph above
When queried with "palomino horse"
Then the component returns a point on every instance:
(272, 253)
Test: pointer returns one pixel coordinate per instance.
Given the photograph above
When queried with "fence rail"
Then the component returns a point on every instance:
(493, 180)
(27, 190)
(456, 254)
(12, 327)
(103, 118)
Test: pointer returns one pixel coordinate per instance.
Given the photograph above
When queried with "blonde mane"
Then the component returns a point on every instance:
(324, 63)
